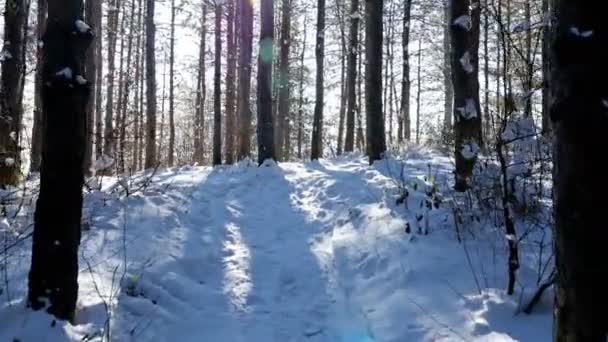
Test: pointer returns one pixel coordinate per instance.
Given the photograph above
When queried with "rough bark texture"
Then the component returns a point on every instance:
(199, 115)
(351, 76)
(579, 113)
(244, 106)
(150, 87)
(265, 125)
(36, 151)
(282, 151)
(230, 82)
(54, 267)
(376, 140)
(11, 90)
(93, 19)
(113, 16)
(467, 111)
(217, 90)
(171, 152)
(316, 147)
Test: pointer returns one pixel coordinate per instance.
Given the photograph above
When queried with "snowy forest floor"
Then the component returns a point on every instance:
(313, 251)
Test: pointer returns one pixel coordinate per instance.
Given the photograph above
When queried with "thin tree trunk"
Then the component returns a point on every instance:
(265, 126)
(376, 138)
(351, 76)
(529, 78)
(119, 118)
(11, 91)
(391, 85)
(99, 138)
(283, 82)
(151, 160)
(546, 71)
(418, 91)
(199, 117)
(230, 84)
(137, 81)
(36, 150)
(217, 91)
(316, 150)
(404, 121)
(448, 99)
(360, 140)
(343, 84)
(486, 71)
(578, 113)
(163, 99)
(246, 41)
(171, 152)
(109, 142)
(93, 18)
(126, 90)
(54, 264)
(300, 118)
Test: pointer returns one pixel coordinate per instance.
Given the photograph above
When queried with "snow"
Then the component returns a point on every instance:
(312, 252)
(5, 55)
(465, 61)
(82, 27)
(65, 73)
(13, 136)
(81, 80)
(464, 21)
(580, 32)
(9, 162)
(605, 103)
(470, 150)
(468, 111)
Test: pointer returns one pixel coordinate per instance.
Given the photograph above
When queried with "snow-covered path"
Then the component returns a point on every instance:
(311, 251)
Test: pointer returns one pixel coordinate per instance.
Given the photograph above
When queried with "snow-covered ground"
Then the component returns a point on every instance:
(314, 251)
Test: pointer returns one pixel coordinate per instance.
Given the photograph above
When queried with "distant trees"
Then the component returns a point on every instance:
(579, 117)
(54, 269)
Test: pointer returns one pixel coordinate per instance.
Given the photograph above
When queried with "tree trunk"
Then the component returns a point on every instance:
(199, 116)
(11, 90)
(418, 90)
(351, 76)
(36, 151)
(171, 152)
(360, 139)
(300, 118)
(546, 71)
(217, 90)
(124, 102)
(579, 116)
(137, 82)
(119, 127)
(54, 267)
(529, 78)
(448, 99)
(246, 41)
(283, 82)
(98, 81)
(113, 16)
(467, 128)
(376, 139)
(265, 126)
(316, 147)
(343, 84)
(230, 86)
(151, 160)
(93, 18)
(486, 71)
(404, 128)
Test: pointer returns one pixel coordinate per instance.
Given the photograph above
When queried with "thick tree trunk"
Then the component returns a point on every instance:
(199, 115)
(246, 41)
(36, 151)
(316, 147)
(467, 112)
(448, 99)
(376, 139)
(11, 90)
(283, 82)
(151, 158)
(230, 84)
(579, 111)
(351, 76)
(217, 90)
(265, 126)
(171, 152)
(54, 267)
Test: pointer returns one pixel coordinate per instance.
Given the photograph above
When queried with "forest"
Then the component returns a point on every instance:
(303, 170)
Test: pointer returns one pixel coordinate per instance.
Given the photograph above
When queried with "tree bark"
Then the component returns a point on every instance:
(448, 99)
(283, 82)
(137, 81)
(351, 76)
(343, 84)
(467, 112)
(316, 150)
(109, 142)
(171, 152)
(151, 158)
(93, 18)
(404, 124)
(300, 118)
(230, 84)
(36, 151)
(246, 42)
(54, 266)
(546, 68)
(199, 116)
(217, 90)
(265, 125)
(376, 139)
(11, 90)
(418, 90)
(579, 111)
